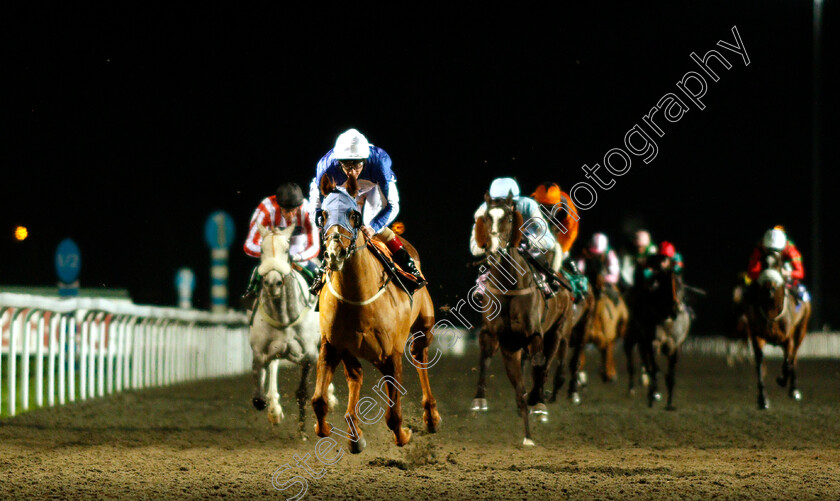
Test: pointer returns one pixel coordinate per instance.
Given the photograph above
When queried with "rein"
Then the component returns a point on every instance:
(381, 291)
(784, 308)
(277, 324)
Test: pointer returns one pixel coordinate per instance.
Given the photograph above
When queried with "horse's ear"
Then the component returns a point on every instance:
(262, 229)
(509, 199)
(352, 186)
(327, 185)
(487, 198)
(517, 228)
(287, 232)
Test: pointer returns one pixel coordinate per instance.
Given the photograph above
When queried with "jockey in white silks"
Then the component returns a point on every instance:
(377, 198)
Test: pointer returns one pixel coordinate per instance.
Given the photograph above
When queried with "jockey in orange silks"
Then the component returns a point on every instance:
(549, 196)
(776, 240)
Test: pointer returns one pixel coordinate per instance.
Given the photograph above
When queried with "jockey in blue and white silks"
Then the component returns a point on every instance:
(378, 195)
(377, 198)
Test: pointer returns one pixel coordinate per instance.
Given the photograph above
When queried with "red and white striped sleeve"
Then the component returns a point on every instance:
(263, 215)
(313, 246)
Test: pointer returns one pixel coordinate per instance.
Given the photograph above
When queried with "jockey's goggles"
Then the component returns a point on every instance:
(351, 164)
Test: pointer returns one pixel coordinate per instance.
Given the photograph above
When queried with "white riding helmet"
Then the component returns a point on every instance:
(774, 239)
(598, 244)
(500, 187)
(642, 238)
(351, 145)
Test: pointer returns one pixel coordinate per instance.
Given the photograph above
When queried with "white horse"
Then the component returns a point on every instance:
(283, 326)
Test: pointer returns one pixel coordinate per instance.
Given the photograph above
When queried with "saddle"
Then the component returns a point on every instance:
(613, 294)
(404, 278)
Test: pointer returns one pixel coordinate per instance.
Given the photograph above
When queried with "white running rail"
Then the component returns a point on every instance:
(87, 347)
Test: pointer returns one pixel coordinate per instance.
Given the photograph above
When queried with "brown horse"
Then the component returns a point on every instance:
(365, 314)
(774, 316)
(515, 314)
(609, 321)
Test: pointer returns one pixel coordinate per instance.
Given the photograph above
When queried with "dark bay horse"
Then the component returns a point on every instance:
(364, 314)
(515, 314)
(659, 324)
(774, 316)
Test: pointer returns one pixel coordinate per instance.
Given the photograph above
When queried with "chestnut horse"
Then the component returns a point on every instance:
(659, 324)
(609, 321)
(365, 314)
(515, 314)
(774, 316)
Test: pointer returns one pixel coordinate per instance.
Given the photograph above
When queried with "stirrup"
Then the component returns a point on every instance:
(318, 283)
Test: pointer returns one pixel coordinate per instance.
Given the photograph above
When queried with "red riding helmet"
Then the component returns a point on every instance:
(667, 249)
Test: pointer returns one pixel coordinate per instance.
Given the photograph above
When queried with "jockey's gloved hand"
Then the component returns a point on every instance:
(319, 218)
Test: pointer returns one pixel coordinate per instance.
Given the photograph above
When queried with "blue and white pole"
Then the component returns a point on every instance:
(185, 285)
(219, 233)
(68, 264)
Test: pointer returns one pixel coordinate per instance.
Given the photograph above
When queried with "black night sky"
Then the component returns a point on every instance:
(124, 127)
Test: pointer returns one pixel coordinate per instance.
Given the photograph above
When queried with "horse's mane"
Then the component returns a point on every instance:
(352, 186)
(518, 221)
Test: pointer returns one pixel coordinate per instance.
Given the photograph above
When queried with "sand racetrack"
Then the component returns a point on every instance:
(203, 440)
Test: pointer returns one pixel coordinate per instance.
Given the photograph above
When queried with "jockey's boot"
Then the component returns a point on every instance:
(253, 290)
(579, 282)
(318, 280)
(404, 260)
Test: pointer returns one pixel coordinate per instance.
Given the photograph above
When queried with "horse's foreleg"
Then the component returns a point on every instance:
(431, 417)
(607, 356)
(758, 345)
(670, 378)
(392, 368)
(514, 372)
(275, 410)
(258, 376)
(488, 345)
(798, 335)
(559, 378)
(649, 364)
(353, 373)
(631, 368)
(302, 394)
(575, 362)
(328, 359)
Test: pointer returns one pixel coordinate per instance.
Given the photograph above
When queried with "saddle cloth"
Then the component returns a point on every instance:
(379, 249)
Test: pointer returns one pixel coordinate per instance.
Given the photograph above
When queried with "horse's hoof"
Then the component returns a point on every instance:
(275, 419)
(631, 392)
(358, 446)
(541, 411)
(670, 407)
(763, 404)
(796, 395)
(479, 404)
(528, 442)
(259, 403)
(432, 425)
(574, 398)
(583, 380)
(657, 396)
(645, 380)
(551, 397)
(781, 381)
(405, 437)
